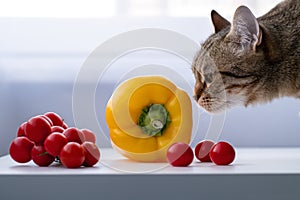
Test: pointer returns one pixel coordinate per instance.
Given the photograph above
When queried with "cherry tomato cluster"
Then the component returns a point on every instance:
(181, 154)
(46, 138)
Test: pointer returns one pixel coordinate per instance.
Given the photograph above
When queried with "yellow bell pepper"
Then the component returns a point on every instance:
(146, 115)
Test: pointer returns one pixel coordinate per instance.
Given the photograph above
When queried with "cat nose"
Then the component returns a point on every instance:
(196, 97)
(198, 89)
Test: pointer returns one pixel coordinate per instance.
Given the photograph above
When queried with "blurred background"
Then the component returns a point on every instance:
(43, 45)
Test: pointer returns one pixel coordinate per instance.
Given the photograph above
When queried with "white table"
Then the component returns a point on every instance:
(256, 173)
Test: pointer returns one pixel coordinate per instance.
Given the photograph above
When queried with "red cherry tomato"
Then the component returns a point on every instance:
(202, 150)
(72, 155)
(21, 130)
(89, 135)
(74, 135)
(37, 129)
(92, 154)
(57, 129)
(20, 149)
(41, 157)
(55, 118)
(222, 153)
(47, 118)
(55, 142)
(180, 155)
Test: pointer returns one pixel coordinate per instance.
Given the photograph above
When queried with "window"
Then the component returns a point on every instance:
(58, 8)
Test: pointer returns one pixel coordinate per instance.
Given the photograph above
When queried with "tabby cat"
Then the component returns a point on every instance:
(253, 60)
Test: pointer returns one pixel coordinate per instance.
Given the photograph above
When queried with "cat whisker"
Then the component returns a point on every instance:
(213, 104)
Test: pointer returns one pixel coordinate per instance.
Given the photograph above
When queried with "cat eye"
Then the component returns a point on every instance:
(237, 76)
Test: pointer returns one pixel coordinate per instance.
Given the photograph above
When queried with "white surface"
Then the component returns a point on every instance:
(248, 161)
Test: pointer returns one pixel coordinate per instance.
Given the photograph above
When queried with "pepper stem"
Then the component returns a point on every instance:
(154, 119)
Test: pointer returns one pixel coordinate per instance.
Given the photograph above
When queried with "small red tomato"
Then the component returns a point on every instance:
(89, 135)
(55, 118)
(72, 155)
(37, 129)
(202, 150)
(21, 130)
(41, 157)
(57, 129)
(55, 142)
(74, 135)
(47, 118)
(65, 125)
(92, 154)
(20, 149)
(222, 153)
(180, 154)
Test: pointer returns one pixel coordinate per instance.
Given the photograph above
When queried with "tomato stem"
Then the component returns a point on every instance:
(154, 119)
(44, 153)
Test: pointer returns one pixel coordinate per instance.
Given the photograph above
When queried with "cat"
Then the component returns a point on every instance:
(251, 61)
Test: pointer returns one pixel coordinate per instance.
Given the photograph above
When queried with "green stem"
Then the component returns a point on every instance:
(44, 153)
(154, 119)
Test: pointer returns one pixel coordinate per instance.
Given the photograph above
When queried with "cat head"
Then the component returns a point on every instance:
(224, 68)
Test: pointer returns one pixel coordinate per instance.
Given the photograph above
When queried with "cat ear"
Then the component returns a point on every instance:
(218, 21)
(245, 28)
